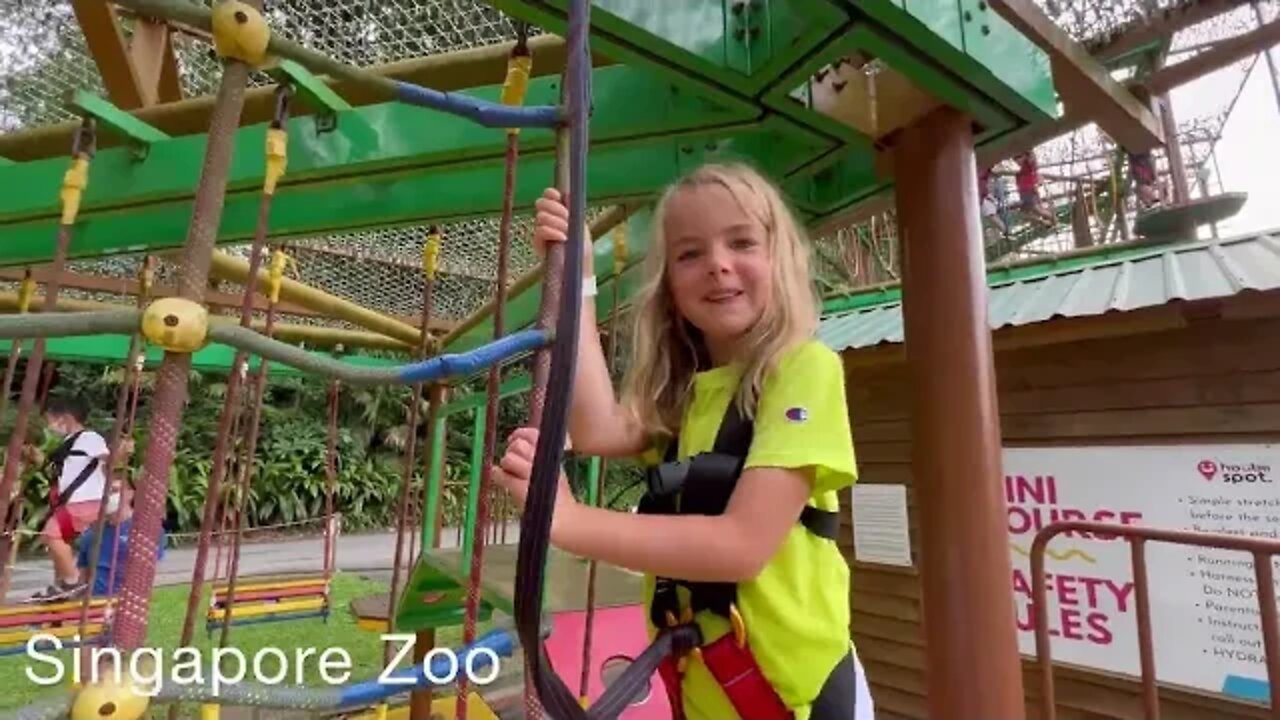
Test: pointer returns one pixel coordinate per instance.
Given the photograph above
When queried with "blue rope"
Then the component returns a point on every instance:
(484, 112)
(463, 364)
(500, 642)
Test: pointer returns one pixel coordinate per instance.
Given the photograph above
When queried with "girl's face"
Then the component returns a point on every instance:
(717, 265)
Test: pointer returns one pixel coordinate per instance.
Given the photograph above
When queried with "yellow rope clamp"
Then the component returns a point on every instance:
(73, 185)
(619, 249)
(25, 291)
(240, 32)
(277, 158)
(146, 277)
(279, 261)
(516, 86)
(431, 253)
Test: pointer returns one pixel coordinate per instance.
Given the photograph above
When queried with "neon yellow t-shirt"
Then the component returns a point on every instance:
(796, 611)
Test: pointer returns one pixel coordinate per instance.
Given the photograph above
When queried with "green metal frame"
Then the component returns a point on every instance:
(707, 79)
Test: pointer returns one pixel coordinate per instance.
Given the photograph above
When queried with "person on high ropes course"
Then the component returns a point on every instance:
(77, 482)
(740, 415)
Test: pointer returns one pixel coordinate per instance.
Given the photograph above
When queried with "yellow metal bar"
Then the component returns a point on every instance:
(226, 267)
(253, 609)
(20, 637)
(12, 610)
(273, 585)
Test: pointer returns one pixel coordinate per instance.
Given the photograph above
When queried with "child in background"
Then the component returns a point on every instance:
(723, 343)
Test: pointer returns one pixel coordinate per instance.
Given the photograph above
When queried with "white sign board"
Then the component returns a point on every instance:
(1204, 609)
(880, 530)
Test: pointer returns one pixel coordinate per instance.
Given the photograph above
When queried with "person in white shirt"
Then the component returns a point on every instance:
(77, 481)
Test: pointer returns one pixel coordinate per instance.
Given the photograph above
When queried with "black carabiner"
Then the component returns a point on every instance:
(281, 115)
(84, 140)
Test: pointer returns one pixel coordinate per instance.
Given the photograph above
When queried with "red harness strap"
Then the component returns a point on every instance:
(66, 526)
(738, 674)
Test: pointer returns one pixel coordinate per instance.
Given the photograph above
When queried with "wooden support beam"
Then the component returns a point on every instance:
(1222, 54)
(105, 40)
(1085, 85)
(151, 50)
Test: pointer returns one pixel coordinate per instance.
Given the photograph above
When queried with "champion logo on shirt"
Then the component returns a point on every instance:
(797, 414)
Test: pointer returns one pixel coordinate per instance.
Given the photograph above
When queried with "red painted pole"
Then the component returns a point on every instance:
(972, 663)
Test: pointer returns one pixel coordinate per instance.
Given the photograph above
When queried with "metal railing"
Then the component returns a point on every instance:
(1262, 550)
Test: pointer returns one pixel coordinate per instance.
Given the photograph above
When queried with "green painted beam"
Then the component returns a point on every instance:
(974, 44)
(386, 140)
(137, 133)
(621, 173)
(310, 88)
(739, 46)
(511, 386)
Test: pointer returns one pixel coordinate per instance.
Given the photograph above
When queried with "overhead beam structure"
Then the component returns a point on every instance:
(680, 87)
(452, 71)
(1152, 31)
(1086, 87)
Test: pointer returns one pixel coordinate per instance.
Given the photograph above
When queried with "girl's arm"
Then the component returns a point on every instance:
(598, 424)
(731, 547)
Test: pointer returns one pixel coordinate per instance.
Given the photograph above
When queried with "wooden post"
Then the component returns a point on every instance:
(420, 700)
(972, 664)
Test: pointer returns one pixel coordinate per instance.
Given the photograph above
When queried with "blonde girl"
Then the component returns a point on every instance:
(724, 324)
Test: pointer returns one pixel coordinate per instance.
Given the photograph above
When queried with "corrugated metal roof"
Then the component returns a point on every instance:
(1195, 271)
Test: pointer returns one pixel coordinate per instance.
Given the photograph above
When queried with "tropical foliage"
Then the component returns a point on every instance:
(288, 484)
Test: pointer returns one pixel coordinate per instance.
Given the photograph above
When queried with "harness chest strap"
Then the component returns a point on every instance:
(58, 501)
(703, 486)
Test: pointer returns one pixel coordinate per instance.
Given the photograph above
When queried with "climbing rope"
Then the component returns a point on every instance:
(274, 165)
(74, 181)
(124, 416)
(331, 480)
(173, 376)
(246, 469)
(430, 257)
(25, 290)
(514, 89)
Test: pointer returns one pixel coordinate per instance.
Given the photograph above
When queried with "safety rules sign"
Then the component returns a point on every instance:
(1204, 607)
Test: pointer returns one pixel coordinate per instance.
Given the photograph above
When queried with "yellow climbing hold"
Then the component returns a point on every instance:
(240, 32)
(176, 324)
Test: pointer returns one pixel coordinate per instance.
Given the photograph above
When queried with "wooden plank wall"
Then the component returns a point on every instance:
(1214, 380)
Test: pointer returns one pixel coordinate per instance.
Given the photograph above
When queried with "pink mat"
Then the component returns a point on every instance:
(617, 631)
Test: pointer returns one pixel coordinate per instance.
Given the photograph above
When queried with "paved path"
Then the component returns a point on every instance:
(357, 552)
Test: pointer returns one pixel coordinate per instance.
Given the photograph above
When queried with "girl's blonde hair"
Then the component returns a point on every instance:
(667, 350)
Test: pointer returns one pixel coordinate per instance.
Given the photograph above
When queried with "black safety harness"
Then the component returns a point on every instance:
(703, 485)
(58, 500)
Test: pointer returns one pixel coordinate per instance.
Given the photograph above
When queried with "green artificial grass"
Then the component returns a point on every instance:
(168, 606)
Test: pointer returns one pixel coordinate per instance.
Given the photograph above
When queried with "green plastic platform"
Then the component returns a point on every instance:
(435, 594)
(1173, 220)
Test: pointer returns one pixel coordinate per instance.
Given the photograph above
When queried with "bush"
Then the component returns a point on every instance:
(288, 484)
